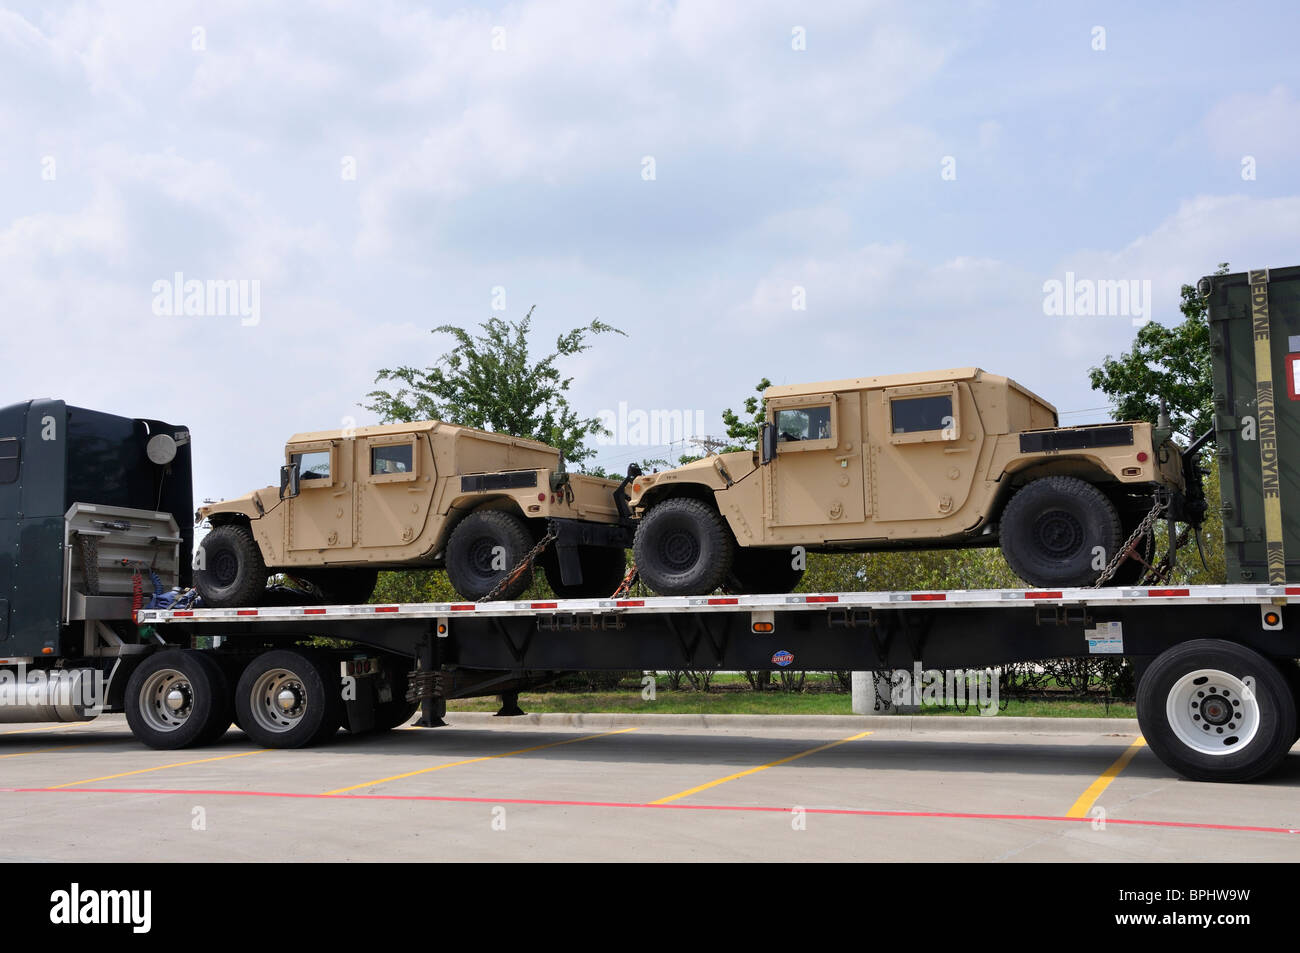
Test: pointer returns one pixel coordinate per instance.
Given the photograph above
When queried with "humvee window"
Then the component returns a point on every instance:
(804, 423)
(911, 414)
(394, 459)
(8, 459)
(313, 466)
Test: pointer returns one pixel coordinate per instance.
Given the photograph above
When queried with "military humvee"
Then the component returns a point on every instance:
(947, 459)
(417, 495)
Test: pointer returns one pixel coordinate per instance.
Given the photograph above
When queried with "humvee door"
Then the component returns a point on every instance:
(817, 476)
(926, 439)
(320, 516)
(395, 480)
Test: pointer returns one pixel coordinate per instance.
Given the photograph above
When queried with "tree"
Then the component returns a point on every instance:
(1169, 362)
(491, 382)
(744, 430)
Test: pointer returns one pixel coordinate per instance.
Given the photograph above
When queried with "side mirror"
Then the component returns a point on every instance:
(288, 481)
(767, 443)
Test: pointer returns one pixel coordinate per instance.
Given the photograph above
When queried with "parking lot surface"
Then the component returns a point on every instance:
(483, 790)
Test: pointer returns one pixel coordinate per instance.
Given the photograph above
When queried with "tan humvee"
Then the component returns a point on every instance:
(950, 458)
(430, 495)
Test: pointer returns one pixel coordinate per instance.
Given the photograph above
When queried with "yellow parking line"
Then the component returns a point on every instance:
(161, 767)
(20, 754)
(490, 757)
(761, 767)
(1089, 797)
(26, 731)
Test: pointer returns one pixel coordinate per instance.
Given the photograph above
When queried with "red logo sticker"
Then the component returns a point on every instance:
(1293, 376)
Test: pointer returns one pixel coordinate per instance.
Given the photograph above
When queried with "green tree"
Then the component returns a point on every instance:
(1168, 362)
(743, 431)
(492, 382)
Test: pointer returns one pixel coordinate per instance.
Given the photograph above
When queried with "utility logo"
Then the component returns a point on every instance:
(782, 658)
(99, 907)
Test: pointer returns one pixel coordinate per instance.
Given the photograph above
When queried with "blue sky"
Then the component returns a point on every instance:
(210, 139)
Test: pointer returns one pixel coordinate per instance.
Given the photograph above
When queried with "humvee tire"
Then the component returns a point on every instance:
(343, 587)
(473, 548)
(1051, 529)
(233, 572)
(756, 571)
(603, 568)
(683, 548)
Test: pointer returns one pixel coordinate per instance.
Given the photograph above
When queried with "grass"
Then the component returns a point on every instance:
(768, 703)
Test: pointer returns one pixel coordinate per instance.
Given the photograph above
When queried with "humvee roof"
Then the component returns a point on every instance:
(903, 380)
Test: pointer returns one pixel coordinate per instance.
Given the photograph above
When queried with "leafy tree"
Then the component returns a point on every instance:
(743, 431)
(1168, 362)
(492, 382)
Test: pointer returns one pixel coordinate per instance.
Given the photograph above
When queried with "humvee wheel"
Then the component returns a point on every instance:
(1057, 529)
(1216, 711)
(756, 571)
(232, 572)
(485, 546)
(603, 568)
(683, 548)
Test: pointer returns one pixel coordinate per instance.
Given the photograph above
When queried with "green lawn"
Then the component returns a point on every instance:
(766, 703)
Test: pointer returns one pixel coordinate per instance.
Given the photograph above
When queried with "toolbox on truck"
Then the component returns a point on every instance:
(1254, 320)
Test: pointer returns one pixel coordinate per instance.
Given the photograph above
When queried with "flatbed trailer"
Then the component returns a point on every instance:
(1217, 694)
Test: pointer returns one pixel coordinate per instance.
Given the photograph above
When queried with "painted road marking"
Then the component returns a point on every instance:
(23, 754)
(490, 757)
(161, 767)
(761, 767)
(1089, 797)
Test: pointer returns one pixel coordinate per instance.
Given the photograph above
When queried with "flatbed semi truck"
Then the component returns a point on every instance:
(94, 508)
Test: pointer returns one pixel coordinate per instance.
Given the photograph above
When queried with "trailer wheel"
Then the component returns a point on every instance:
(233, 572)
(342, 587)
(485, 546)
(1216, 711)
(1056, 528)
(178, 699)
(756, 571)
(603, 568)
(288, 699)
(683, 548)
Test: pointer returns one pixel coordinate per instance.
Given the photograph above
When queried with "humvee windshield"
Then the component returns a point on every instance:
(804, 423)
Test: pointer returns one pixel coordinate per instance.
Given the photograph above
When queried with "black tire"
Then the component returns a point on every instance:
(755, 571)
(1051, 529)
(342, 587)
(471, 551)
(683, 547)
(1291, 672)
(312, 712)
(202, 711)
(603, 569)
(1208, 727)
(233, 572)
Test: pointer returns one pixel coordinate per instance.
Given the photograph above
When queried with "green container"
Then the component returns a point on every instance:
(1255, 343)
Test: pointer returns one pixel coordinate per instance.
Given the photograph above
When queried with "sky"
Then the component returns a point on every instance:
(746, 189)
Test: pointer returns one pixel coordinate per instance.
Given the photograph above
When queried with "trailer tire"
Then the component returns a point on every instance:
(683, 548)
(288, 699)
(1051, 531)
(1216, 711)
(342, 587)
(471, 554)
(760, 571)
(233, 572)
(179, 698)
(603, 568)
